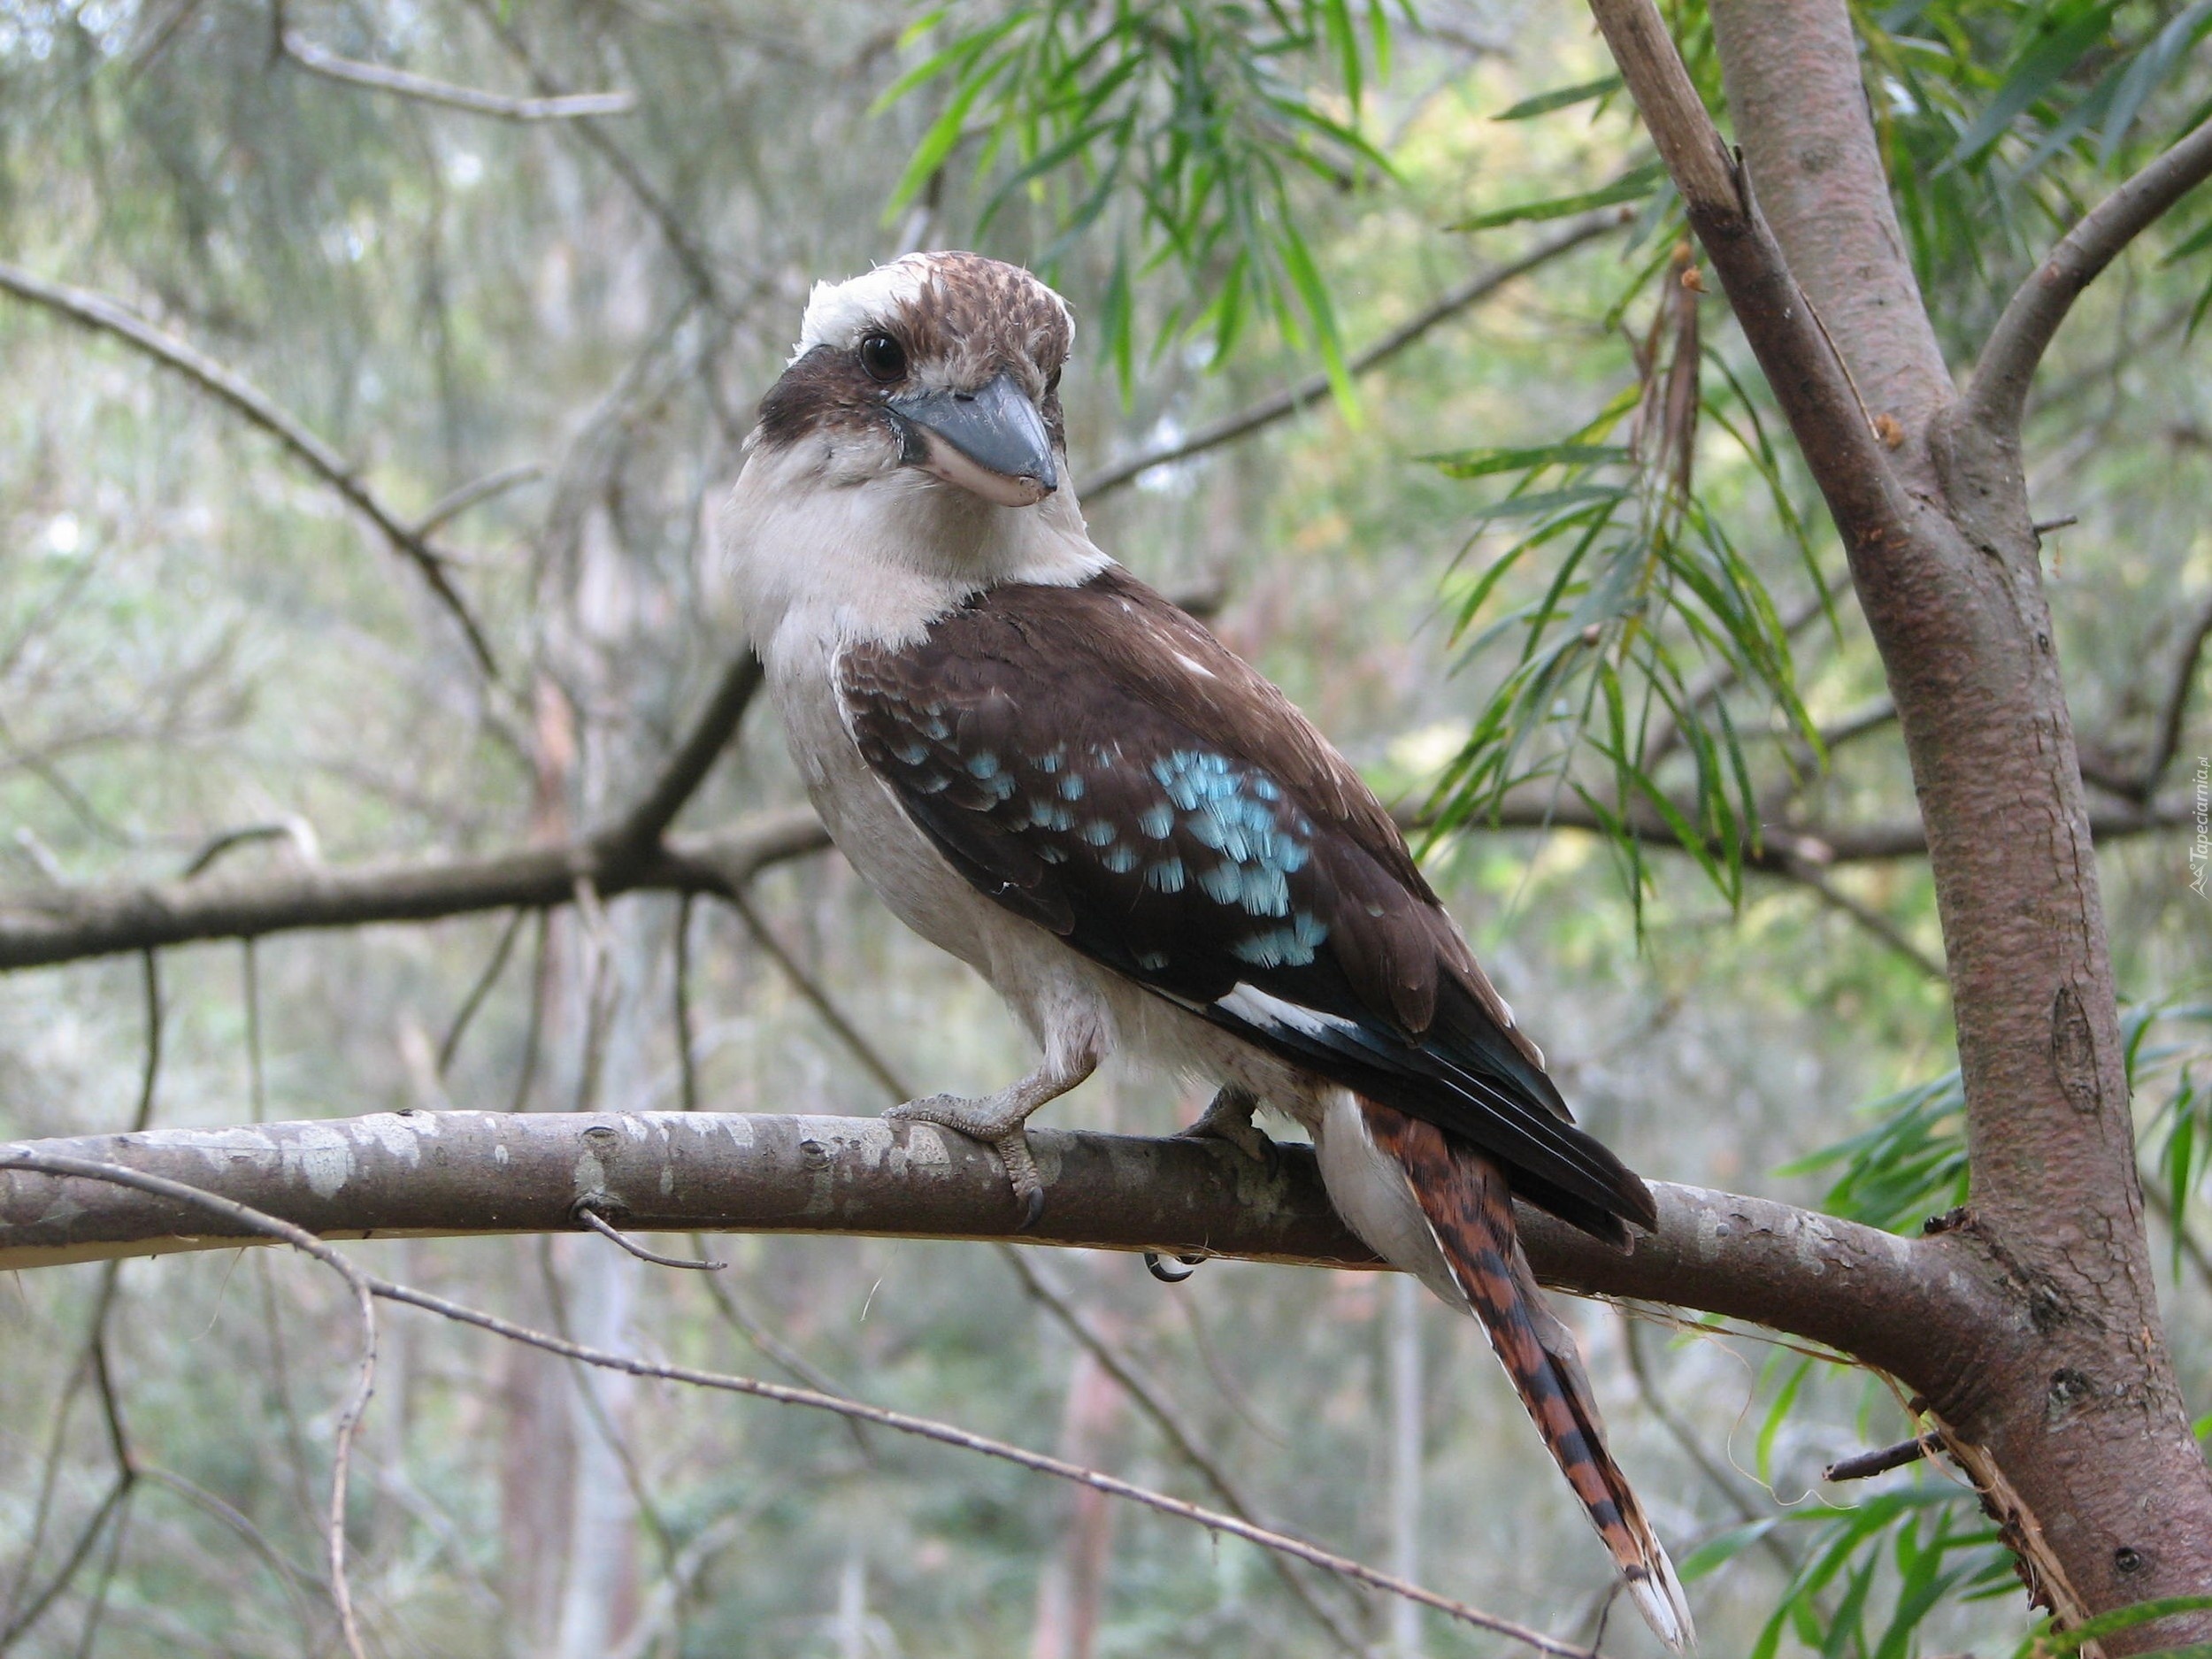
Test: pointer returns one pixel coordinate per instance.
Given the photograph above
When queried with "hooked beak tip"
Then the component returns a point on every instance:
(991, 442)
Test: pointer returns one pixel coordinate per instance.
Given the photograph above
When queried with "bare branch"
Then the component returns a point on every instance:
(449, 507)
(1153, 1401)
(1866, 1465)
(1801, 362)
(44, 927)
(2176, 707)
(569, 107)
(685, 770)
(478, 993)
(698, 267)
(150, 1077)
(1887, 1300)
(1281, 406)
(1867, 917)
(613, 1234)
(1997, 396)
(246, 1221)
(98, 312)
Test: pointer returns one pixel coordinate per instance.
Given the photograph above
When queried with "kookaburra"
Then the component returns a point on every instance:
(1047, 769)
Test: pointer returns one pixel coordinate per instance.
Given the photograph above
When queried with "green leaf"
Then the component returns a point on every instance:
(1560, 98)
(1548, 501)
(1633, 186)
(2054, 51)
(2067, 1641)
(1482, 462)
(1715, 1552)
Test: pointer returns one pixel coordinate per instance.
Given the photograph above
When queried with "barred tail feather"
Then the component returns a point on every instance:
(1469, 1206)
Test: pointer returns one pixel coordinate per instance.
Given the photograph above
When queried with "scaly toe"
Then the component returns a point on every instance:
(1021, 1171)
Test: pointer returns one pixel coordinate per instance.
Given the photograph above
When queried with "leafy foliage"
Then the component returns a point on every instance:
(1179, 129)
(1648, 587)
(1901, 1552)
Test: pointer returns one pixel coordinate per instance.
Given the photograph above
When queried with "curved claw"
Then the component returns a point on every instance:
(1035, 1213)
(1156, 1264)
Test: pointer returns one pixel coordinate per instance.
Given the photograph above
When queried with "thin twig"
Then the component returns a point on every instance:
(1866, 1465)
(377, 77)
(287, 1573)
(226, 840)
(366, 1285)
(1283, 405)
(532, 1032)
(1997, 396)
(773, 1347)
(698, 268)
(250, 988)
(640, 831)
(93, 1364)
(341, 1464)
(110, 317)
(2175, 709)
(686, 1065)
(150, 1077)
(449, 507)
(1153, 1400)
(1866, 916)
(479, 991)
(606, 1229)
(805, 983)
(1660, 1408)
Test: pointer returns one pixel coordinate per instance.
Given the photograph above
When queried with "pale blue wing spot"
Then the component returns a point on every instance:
(1119, 859)
(1157, 821)
(1071, 788)
(1098, 832)
(1166, 877)
(1151, 961)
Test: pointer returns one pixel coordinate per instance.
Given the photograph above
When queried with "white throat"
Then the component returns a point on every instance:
(835, 558)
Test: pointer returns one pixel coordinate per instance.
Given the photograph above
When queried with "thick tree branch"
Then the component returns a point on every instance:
(568, 107)
(1883, 1298)
(1283, 405)
(1814, 388)
(1998, 394)
(1797, 100)
(54, 923)
(251, 1223)
(40, 928)
(45, 926)
(103, 315)
(687, 768)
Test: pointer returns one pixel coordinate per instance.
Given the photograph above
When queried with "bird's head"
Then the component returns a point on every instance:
(948, 364)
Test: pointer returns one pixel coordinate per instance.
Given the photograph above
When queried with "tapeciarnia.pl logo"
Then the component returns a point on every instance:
(2200, 848)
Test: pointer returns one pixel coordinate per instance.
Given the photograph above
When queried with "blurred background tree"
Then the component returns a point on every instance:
(371, 519)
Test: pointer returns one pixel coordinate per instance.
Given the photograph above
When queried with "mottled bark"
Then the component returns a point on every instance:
(1922, 1308)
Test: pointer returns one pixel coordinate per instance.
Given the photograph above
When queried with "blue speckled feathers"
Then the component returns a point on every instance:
(1090, 759)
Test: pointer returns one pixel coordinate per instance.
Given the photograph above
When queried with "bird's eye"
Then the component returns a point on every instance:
(884, 358)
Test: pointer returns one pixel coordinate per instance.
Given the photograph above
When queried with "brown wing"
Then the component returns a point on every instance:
(1090, 759)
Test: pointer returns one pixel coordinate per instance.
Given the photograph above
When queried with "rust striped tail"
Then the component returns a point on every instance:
(1469, 1211)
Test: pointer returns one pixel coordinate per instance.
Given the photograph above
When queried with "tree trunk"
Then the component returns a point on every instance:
(2065, 1408)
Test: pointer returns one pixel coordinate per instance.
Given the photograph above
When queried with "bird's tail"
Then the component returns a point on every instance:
(1470, 1211)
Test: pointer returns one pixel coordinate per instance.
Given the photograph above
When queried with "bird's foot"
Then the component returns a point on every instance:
(1228, 1117)
(996, 1121)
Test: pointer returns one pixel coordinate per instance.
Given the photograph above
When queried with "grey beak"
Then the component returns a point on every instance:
(996, 430)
